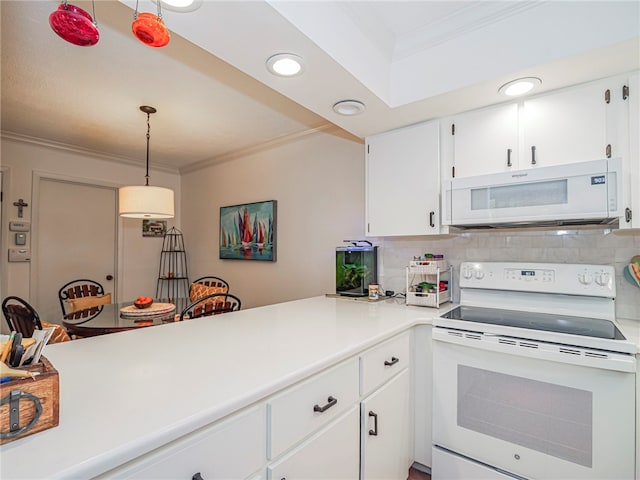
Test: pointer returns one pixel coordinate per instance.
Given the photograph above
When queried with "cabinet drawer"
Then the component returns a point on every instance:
(382, 362)
(300, 410)
(232, 448)
(331, 453)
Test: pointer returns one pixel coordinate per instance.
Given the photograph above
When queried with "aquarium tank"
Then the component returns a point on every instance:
(356, 268)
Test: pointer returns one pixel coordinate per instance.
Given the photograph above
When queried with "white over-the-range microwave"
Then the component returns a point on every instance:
(571, 194)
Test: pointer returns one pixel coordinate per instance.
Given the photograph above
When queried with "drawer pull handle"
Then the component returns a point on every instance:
(332, 401)
(374, 431)
(197, 476)
(393, 361)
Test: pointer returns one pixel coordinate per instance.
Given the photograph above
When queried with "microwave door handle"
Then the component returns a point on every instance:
(533, 155)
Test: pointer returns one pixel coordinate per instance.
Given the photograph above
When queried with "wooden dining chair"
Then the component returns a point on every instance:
(214, 304)
(82, 298)
(21, 317)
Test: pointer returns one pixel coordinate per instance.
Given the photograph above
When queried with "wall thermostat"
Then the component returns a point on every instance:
(19, 226)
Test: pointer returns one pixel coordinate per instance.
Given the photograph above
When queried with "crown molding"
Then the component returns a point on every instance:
(328, 128)
(65, 147)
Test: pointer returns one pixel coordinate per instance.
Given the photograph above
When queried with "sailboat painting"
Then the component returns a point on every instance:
(248, 231)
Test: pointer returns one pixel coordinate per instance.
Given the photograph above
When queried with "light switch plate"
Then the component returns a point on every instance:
(21, 238)
(19, 254)
(19, 226)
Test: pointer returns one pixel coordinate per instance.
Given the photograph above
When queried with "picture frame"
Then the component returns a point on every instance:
(248, 231)
(154, 228)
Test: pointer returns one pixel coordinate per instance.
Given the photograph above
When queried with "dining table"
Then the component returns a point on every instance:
(119, 317)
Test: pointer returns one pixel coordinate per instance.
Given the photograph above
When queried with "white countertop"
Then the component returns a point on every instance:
(124, 394)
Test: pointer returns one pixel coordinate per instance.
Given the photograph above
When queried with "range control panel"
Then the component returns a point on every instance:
(564, 278)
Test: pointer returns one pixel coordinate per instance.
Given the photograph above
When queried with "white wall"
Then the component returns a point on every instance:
(318, 182)
(139, 257)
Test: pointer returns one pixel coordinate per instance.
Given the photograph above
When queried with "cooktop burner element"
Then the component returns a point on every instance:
(590, 327)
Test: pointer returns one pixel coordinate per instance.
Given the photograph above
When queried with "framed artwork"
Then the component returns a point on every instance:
(154, 228)
(248, 231)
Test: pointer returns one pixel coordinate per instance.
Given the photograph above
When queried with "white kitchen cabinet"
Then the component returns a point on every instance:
(331, 453)
(382, 362)
(386, 452)
(402, 181)
(303, 409)
(568, 126)
(232, 448)
(485, 140)
(633, 161)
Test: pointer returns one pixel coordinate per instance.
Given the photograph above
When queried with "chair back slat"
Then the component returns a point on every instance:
(214, 304)
(20, 316)
(78, 289)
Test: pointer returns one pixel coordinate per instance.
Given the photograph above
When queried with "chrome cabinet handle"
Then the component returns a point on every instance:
(393, 361)
(374, 432)
(332, 401)
(509, 164)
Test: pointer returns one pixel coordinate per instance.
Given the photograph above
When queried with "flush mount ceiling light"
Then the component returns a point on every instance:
(180, 5)
(519, 86)
(349, 107)
(144, 201)
(285, 64)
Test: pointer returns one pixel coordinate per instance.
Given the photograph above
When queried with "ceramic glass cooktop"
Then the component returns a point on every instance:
(588, 327)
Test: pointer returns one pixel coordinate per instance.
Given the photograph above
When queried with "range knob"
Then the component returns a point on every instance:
(585, 278)
(467, 273)
(479, 274)
(603, 279)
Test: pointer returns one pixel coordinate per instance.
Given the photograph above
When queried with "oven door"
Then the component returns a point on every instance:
(518, 409)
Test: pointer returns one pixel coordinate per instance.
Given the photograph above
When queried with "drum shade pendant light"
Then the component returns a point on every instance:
(145, 201)
(75, 25)
(149, 28)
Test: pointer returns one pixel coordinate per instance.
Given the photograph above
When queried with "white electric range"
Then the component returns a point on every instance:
(532, 376)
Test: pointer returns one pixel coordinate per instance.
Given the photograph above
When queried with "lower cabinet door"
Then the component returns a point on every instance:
(330, 454)
(386, 431)
(232, 449)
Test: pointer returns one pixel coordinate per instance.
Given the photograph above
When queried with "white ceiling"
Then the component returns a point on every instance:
(408, 61)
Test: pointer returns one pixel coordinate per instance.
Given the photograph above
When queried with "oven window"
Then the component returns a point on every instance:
(553, 192)
(545, 417)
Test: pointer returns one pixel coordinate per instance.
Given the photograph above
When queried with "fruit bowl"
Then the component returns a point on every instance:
(143, 302)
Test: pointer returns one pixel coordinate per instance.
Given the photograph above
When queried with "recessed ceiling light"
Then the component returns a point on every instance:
(349, 107)
(285, 64)
(519, 86)
(180, 5)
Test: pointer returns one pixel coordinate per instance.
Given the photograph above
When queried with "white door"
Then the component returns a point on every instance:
(386, 432)
(76, 238)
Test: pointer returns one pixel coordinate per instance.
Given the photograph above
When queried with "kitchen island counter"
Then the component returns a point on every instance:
(124, 394)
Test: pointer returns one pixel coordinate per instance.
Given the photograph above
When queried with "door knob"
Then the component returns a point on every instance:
(109, 277)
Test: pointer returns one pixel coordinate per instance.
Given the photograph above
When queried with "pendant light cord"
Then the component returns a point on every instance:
(148, 137)
(135, 14)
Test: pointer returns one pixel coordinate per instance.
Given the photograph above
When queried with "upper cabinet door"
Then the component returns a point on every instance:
(403, 181)
(566, 127)
(485, 141)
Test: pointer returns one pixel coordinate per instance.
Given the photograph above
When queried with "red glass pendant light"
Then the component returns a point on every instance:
(75, 25)
(150, 29)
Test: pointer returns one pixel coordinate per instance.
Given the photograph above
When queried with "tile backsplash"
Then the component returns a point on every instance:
(596, 246)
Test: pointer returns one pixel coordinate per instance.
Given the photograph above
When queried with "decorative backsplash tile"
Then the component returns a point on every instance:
(590, 246)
